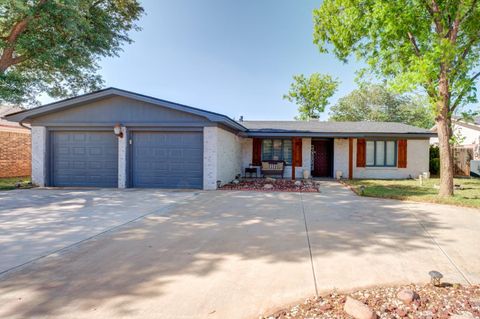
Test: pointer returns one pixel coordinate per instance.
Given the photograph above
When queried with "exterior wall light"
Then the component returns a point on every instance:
(117, 130)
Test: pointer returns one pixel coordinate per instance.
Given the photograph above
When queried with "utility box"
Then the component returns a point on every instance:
(475, 168)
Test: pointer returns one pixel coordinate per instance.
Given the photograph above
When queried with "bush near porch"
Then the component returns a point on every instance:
(467, 195)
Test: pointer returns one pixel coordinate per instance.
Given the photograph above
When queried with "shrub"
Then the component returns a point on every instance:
(435, 166)
(434, 160)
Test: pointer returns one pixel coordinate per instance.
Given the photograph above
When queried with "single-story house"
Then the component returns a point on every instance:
(15, 145)
(116, 138)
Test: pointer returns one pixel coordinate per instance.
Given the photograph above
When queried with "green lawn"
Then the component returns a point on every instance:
(9, 183)
(468, 196)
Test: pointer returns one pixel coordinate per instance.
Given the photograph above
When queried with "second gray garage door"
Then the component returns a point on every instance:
(81, 158)
(167, 159)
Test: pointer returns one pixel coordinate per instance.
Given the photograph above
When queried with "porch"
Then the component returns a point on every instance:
(303, 158)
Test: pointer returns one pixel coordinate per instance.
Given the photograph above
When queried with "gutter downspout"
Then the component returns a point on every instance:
(23, 125)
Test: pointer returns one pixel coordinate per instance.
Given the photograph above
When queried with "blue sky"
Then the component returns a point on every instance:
(232, 57)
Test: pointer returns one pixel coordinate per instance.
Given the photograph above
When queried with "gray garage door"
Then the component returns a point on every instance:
(84, 159)
(167, 159)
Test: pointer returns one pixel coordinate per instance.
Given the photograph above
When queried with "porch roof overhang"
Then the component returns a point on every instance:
(264, 134)
(328, 129)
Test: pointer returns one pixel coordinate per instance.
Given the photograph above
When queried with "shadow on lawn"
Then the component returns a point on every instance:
(140, 260)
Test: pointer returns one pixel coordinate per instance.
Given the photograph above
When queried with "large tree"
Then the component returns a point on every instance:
(311, 94)
(53, 46)
(429, 44)
(375, 102)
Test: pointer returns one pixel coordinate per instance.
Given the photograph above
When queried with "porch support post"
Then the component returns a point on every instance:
(350, 158)
(294, 153)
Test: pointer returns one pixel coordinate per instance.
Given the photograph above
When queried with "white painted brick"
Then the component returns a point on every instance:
(340, 156)
(210, 158)
(122, 158)
(306, 157)
(39, 155)
(229, 155)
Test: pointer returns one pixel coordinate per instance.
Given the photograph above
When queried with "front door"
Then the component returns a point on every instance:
(322, 158)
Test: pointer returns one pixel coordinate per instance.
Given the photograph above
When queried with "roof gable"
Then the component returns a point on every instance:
(28, 115)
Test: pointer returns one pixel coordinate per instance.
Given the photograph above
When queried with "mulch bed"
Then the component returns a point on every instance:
(431, 303)
(277, 185)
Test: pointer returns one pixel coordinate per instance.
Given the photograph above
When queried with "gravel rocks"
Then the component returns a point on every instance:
(429, 302)
(269, 184)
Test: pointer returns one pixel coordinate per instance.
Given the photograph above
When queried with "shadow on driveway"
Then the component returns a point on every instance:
(231, 255)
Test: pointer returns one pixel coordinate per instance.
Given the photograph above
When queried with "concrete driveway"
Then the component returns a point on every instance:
(241, 254)
(38, 222)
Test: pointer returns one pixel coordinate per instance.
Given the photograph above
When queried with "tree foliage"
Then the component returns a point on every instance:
(311, 94)
(53, 46)
(373, 102)
(429, 44)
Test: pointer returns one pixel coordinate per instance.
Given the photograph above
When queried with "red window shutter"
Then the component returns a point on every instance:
(297, 152)
(361, 152)
(402, 153)
(257, 152)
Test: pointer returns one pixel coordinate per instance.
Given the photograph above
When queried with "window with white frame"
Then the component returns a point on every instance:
(277, 149)
(381, 153)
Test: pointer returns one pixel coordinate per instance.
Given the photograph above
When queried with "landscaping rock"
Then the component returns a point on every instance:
(358, 309)
(270, 179)
(268, 186)
(298, 183)
(406, 296)
(279, 185)
(235, 181)
(430, 302)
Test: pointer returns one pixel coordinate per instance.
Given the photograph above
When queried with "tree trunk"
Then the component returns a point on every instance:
(446, 159)
(444, 131)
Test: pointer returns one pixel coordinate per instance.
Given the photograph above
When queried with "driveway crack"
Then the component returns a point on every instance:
(435, 242)
(309, 245)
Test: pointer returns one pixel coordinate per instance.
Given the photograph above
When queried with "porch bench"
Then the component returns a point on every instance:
(270, 168)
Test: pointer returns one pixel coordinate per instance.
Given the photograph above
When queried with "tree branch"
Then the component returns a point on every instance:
(462, 94)
(18, 59)
(414, 43)
(435, 11)
(469, 11)
(7, 59)
(468, 47)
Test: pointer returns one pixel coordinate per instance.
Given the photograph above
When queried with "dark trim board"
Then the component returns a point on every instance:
(420, 136)
(95, 125)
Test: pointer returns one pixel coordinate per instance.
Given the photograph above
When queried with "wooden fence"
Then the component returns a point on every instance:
(461, 160)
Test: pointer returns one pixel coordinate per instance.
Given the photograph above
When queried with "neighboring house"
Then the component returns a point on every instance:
(163, 144)
(15, 146)
(467, 133)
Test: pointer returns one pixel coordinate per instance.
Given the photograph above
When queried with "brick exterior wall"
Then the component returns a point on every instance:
(15, 154)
